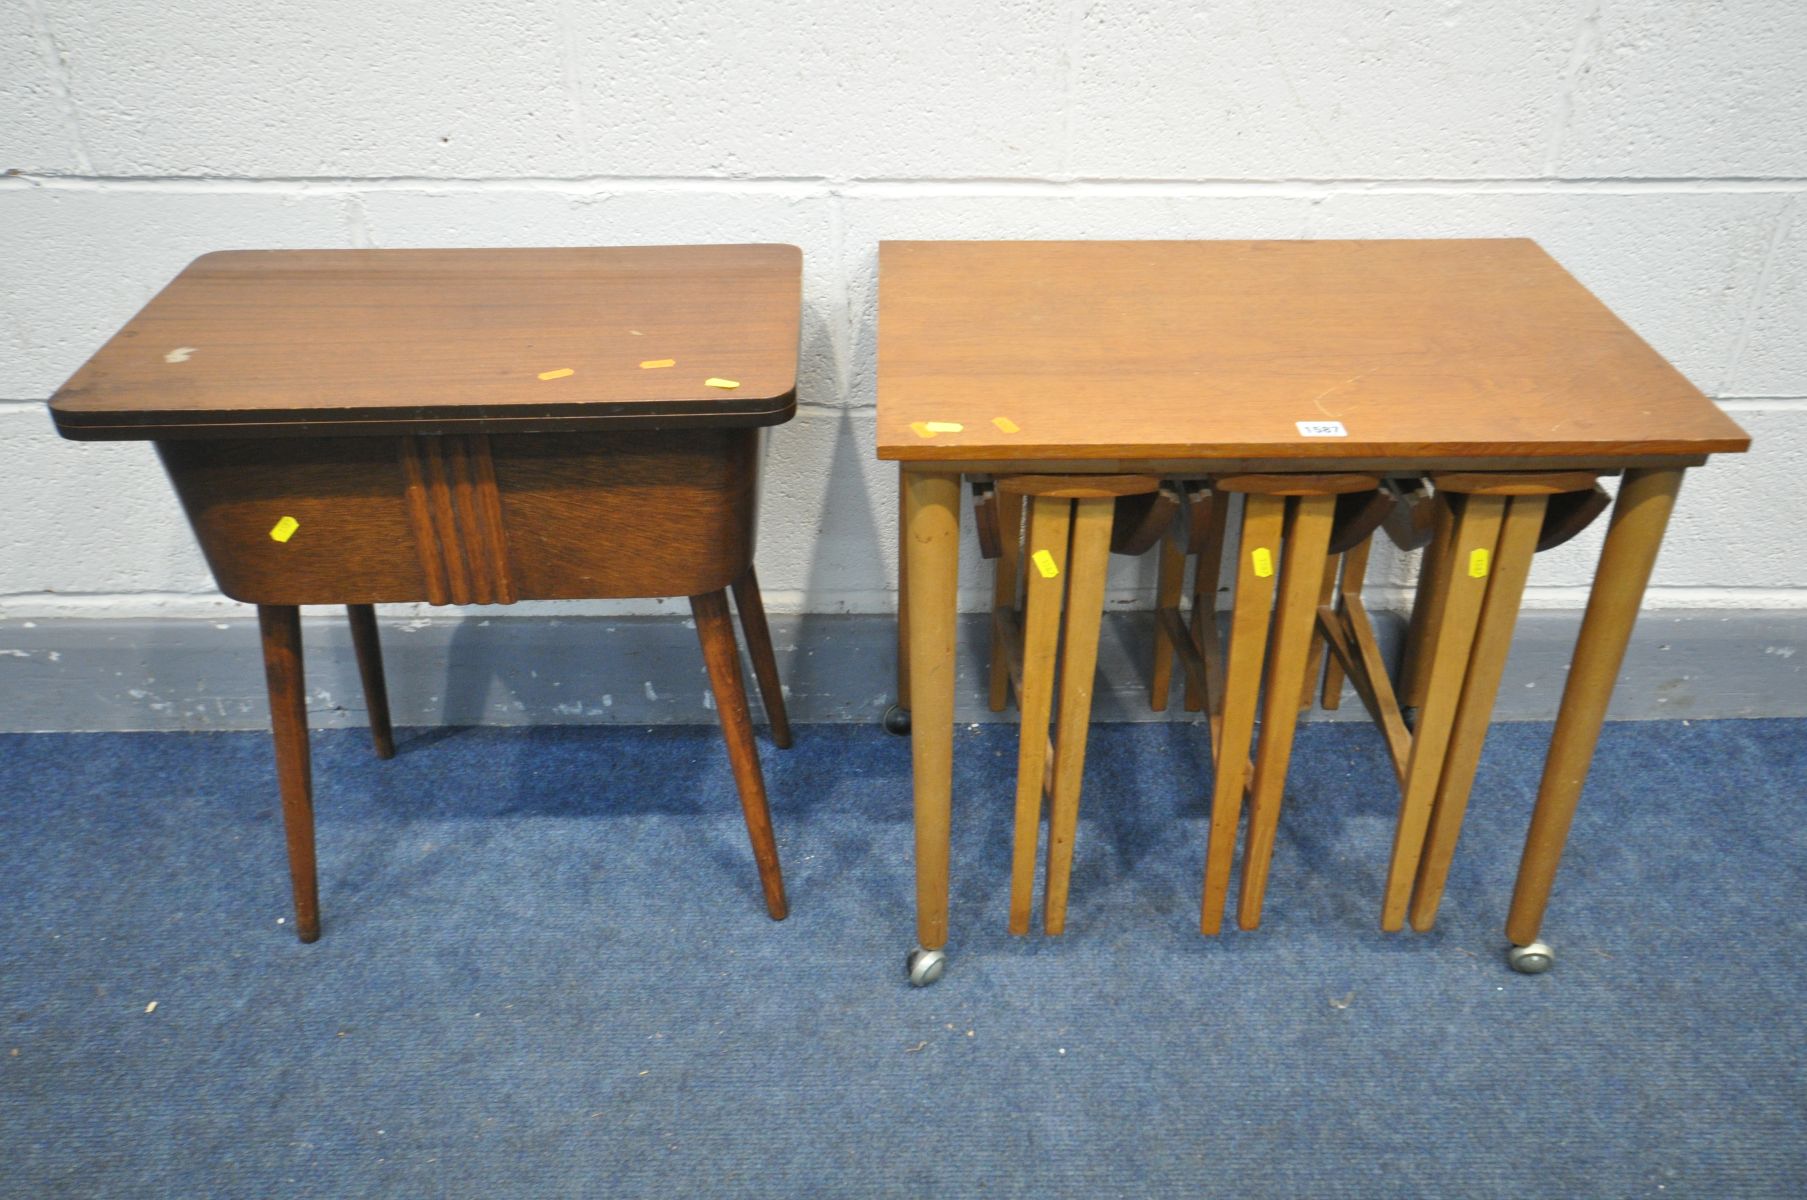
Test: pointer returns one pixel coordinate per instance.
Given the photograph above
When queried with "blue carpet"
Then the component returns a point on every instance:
(546, 971)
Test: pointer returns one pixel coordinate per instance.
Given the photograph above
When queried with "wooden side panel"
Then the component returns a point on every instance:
(353, 538)
(598, 515)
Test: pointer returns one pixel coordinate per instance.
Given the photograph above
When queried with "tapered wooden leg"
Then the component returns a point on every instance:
(1355, 573)
(751, 606)
(1475, 532)
(1314, 663)
(721, 654)
(1362, 662)
(903, 593)
(1257, 559)
(370, 669)
(1632, 541)
(1050, 520)
(1170, 583)
(1510, 568)
(932, 542)
(1427, 610)
(280, 626)
(1088, 566)
(1205, 573)
(1307, 540)
(1003, 589)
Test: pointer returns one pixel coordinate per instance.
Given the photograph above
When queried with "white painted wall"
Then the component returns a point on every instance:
(1656, 147)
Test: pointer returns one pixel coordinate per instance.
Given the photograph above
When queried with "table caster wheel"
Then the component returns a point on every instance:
(897, 720)
(1534, 959)
(925, 966)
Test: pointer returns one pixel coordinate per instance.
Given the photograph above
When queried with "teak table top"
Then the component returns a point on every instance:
(315, 342)
(1482, 351)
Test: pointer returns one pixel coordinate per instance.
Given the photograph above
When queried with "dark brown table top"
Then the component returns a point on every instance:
(1474, 351)
(316, 342)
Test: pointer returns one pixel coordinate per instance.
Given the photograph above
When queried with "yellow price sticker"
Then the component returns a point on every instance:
(1263, 560)
(653, 364)
(1044, 562)
(1477, 564)
(1006, 425)
(724, 384)
(561, 373)
(285, 529)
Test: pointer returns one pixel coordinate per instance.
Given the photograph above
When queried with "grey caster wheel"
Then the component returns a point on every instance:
(897, 720)
(1534, 959)
(925, 966)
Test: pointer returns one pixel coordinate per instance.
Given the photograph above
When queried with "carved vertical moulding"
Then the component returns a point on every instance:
(455, 512)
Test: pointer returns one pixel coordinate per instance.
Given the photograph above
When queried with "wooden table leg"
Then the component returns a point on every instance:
(903, 594)
(1443, 667)
(1050, 519)
(1427, 610)
(1003, 588)
(1646, 498)
(751, 606)
(369, 649)
(1205, 574)
(280, 626)
(1315, 663)
(1257, 558)
(1355, 573)
(1307, 540)
(1169, 584)
(1088, 566)
(721, 654)
(932, 544)
(1510, 568)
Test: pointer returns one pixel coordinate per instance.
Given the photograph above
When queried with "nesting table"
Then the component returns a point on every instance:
(360, 427)
(1078, 371)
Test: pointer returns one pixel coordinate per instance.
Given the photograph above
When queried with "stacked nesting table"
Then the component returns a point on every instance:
(1036, 362)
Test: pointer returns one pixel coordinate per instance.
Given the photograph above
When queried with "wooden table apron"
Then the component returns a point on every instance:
(472, 518)
(930, 533)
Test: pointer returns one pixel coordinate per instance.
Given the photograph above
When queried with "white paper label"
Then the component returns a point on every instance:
(1322, 429)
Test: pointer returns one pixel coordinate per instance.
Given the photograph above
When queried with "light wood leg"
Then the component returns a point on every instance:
(1355, 573)
(1632, 540)
(280, 626)
(751, 606)
(1050, 519)
(721, 654)
(1003, 588)
(1362, 662)
(1170, 583)
(903, 592)
(1510, 568)
(369, 649)
(1205, 574)
(1314, 663)
(1307, 540)
(1476, 530)
(1257, 562)
(1087, 566)
(932, 544)
(1427, 610)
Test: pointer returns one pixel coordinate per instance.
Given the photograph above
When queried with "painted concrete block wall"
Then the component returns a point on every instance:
(1654, 147)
